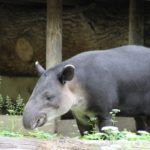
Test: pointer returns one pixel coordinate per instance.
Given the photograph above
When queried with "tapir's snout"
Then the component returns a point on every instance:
(32, 119)
(32, 123)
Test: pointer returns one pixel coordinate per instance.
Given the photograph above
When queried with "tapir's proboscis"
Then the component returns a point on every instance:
(91, 84)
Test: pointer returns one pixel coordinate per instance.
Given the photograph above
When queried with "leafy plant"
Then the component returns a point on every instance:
(1, 98)
(41, 134)
(10, 107)
(36, 134)
(8, 133)
(1, 102)
(117, 135)
(19, 105)
(113, 115)
(0, 80)
(92, 123)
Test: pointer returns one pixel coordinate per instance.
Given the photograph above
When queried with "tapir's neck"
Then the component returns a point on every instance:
(80, 95)
(80, 107)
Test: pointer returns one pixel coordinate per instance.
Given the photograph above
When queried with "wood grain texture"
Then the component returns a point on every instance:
(22, 39)
(103, 26)
(54, 33)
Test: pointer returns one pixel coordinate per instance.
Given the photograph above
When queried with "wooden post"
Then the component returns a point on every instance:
(136, 18)
(54, 37)
(54, 33)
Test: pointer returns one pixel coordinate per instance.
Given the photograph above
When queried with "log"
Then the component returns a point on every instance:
(7, 143)
(23, 144)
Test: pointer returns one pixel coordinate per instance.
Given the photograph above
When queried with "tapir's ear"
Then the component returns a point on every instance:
(67, 73)
(39, 68)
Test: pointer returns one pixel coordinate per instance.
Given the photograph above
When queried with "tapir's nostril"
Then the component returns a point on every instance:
(41, 120)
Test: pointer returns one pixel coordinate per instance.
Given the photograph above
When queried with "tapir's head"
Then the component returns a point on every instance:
(51, 97)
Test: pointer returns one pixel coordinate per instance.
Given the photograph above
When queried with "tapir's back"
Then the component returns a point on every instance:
(122, 62)
(129, 53)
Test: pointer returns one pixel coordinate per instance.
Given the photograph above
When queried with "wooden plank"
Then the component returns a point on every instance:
(136, 25)
(24, 1)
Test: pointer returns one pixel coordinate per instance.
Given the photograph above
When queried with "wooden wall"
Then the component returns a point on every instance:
(22, 38)
(102, 25)
(147, 23)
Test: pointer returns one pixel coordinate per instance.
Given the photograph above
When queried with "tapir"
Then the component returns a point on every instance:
(91, 84)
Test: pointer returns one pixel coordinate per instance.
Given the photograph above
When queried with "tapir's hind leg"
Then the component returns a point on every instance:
(140, 123)
(147, 123)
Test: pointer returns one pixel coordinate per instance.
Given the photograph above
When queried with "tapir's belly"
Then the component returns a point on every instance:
(135, 104)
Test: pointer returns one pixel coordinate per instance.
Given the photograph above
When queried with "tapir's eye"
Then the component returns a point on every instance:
(49, 98)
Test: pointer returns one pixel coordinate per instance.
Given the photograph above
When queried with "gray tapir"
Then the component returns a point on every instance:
(92, 84)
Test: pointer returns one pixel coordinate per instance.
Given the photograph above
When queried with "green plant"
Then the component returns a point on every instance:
(113, 115)
(117, 135)
(19, 105)
(1, 98)
(1, 102)
(0, 80)
(10, 107)
(92, 123)
(8, 133)
(36, 134)
(41, 134)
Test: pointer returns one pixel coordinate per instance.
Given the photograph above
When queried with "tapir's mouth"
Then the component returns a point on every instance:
(40, 121)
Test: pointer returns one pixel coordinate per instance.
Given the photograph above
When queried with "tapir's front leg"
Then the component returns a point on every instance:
(84, 127)
(104, 121)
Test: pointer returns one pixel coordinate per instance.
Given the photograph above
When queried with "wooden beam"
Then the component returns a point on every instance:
(54, 33)
(136, 18)
(23, 1)
(36, 3)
